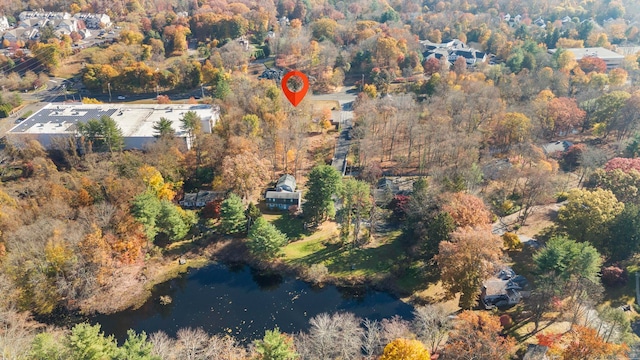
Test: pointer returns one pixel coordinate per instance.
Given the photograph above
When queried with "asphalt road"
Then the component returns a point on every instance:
(345, 117)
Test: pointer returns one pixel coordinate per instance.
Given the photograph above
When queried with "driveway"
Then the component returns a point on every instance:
(344, 116)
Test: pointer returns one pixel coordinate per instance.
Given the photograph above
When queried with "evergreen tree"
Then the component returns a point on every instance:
(86, 342)
(323, 183)
(265, 240)
(136, 347)
(276, 346)
(232, 218)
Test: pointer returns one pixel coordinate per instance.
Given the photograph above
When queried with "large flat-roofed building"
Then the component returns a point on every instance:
(612, 59)
(135, 121)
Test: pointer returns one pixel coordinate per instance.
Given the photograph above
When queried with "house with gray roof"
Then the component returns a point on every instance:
(285, 195)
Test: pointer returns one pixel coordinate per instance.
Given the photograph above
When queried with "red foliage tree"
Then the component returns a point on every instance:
(623, 164)
(399, 205)
(565, 114)
(614, 276)
(211, 209)
(431, 66)
(591, 63)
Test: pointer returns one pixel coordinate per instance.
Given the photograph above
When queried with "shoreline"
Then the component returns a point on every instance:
(218, 250)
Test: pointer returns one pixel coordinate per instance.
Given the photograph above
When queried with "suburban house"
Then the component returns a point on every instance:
(200, 199)
(556, 146)
(471, 56)
(285, 195)
(94, 21)
(503, 290)
(31, 22)
(452, 50)
(536, 352)
(4, 23)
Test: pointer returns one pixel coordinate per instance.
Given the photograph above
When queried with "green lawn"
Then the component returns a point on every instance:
(293, 227)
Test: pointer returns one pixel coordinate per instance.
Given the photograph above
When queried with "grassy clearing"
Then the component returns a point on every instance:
(293, 227)
(319, 105)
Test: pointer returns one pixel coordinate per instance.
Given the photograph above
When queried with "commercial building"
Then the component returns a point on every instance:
(59, 120)
(612, 59)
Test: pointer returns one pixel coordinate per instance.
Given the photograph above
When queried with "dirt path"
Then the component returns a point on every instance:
(541, 217)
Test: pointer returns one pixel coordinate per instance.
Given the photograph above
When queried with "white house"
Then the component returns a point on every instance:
(4, 23)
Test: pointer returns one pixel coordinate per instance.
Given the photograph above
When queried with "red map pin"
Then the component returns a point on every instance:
(295, 97)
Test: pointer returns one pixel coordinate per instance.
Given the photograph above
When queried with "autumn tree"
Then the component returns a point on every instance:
(563, 115)
(323, 183)
(403, 349)
(244, 173)
(585, 343)
(512, 129)
(466, 210)
(592, 63)
(587, 214)
(478, 335)
(469, 258)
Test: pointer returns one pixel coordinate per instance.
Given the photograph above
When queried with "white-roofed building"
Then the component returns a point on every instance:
(612, 59)
(136, 121)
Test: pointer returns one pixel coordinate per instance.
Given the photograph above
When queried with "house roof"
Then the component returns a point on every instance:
(536, 352)
(287, 180)
(296, 195)
(561, 145)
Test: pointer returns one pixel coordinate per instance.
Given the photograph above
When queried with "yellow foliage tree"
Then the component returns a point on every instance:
(370, 90)
(511, 241)
(91, 101)
(403, 349)
(154, 182)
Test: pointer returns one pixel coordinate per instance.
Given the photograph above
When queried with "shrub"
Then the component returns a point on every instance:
(511, 241)
(562, 196)
(506, 321)
(317, 273)
(614, 276)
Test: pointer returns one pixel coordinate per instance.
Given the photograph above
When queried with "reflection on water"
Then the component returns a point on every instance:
(244, 303)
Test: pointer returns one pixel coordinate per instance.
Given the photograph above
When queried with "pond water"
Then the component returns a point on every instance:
(242, 302)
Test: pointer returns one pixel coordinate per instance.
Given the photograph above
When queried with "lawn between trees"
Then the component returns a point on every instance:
(323, 257)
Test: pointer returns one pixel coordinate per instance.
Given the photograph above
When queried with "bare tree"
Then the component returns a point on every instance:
(336, 336)
(193, 344)
(163, 346)
(431, 324)
(371, 338)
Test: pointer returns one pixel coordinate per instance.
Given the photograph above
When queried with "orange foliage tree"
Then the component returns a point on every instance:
(467, 260)
(585, 343)
(466, 210)
(478, 336)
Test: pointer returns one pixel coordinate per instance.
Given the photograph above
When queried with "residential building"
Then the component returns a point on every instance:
(4, 23)
(200, 199)
(503, 290)
(285, 195)
(556, 146)
(94, 21)
(135, 121)
(283, 200)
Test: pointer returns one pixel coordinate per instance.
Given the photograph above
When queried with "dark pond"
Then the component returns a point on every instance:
(244, 303)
